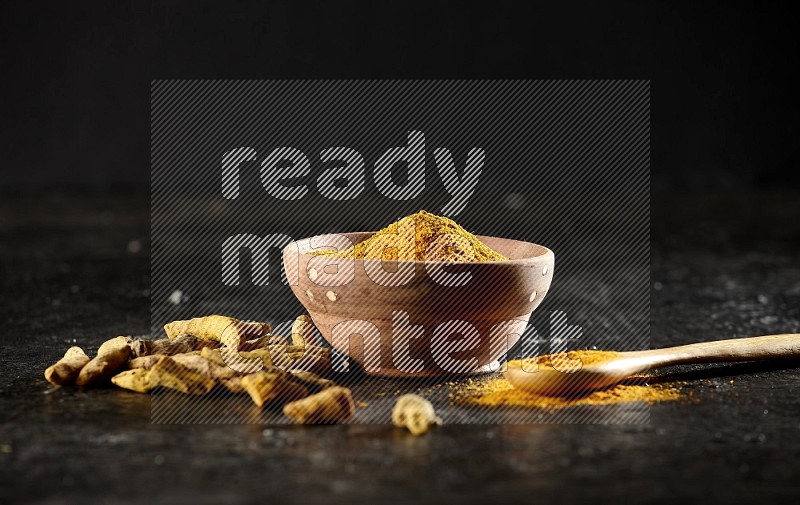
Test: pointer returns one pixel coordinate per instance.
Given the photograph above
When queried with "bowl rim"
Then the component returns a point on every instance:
(546, 252)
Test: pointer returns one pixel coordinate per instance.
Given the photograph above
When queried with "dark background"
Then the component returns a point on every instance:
(76, 75)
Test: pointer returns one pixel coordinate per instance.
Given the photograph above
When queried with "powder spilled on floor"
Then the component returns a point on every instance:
(498, 392)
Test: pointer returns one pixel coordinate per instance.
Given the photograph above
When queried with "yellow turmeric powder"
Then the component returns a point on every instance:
(421, 237)
(498, 392)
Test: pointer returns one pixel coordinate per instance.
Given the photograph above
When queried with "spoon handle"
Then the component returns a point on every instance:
(735, 349)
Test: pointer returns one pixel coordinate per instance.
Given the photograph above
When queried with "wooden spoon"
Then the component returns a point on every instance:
(551, 382)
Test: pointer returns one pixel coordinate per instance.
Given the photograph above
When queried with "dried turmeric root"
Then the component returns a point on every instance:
(313, 382)
(285, 357)
(111, 357)
(304, 332)
(265, 341)
(169, 347)
(308, 357)
(137, 379)
(146, 362)
(198, 364)
(272, 387)
(229, 331)
(187, 373)
(233, 385)
(66, 370)
(331, 405)
(170, 374)
(247, 361)
(415, 413)
(229, 362)
(213, 355)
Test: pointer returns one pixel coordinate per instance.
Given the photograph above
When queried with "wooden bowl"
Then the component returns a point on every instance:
(419, 319)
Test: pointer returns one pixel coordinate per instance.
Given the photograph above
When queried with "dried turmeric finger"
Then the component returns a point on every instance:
(415, 413)
(272, 387)
(301, 351)
(233, 385)
(111, 357)
(227, 330)
(314, 365)
(260, 343)
(170, 374)
(169, 347)
(310, 358)
(246, 362)
(331, 405)
(65, 370)
(198, 364)
(316, 359)
(212, 355)
(146, 362)
(313, 382)
(233, 360)
(304, 332)
(137, 379)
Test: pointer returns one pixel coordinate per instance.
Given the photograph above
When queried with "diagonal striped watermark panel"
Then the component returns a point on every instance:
(241, 169)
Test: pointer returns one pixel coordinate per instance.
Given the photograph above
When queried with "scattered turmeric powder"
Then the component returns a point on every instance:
(498, 392)
(421, 237)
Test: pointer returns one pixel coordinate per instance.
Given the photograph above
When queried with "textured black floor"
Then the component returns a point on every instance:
(76, 267)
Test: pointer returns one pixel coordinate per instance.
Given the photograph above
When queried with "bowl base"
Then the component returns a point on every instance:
(488, 368)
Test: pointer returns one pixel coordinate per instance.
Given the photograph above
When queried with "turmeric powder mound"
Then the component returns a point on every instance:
(498, 392)
(421, 237)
